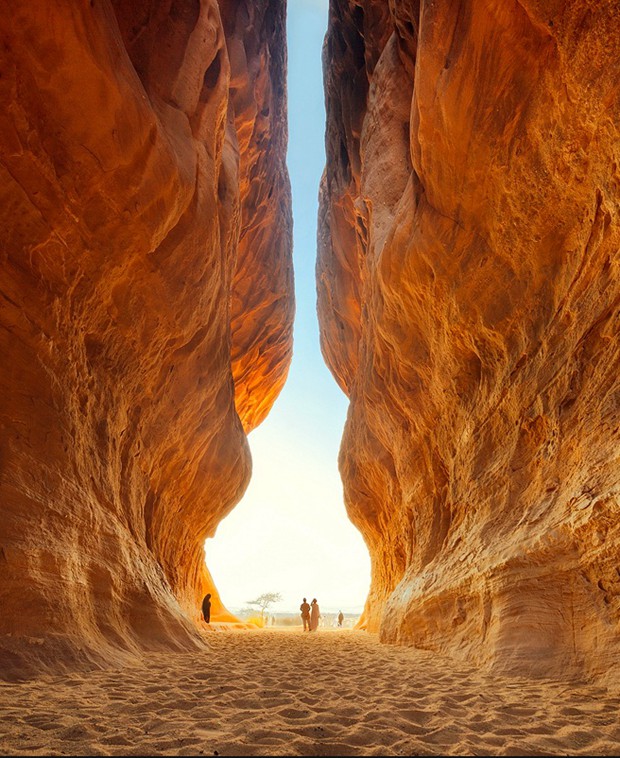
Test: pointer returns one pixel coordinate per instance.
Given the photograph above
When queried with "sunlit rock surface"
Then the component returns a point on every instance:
(146, 308)
(468, 295)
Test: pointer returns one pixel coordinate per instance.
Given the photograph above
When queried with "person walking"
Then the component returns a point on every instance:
(305, 614)
(340, 618)
(315, 615)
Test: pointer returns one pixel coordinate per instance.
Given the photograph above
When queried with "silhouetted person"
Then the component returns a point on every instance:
(340, 618)
(206, 608)
(305, 615)
(315, 615)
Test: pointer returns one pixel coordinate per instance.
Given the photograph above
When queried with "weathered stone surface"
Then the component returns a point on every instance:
(469, 300)
(143, 196)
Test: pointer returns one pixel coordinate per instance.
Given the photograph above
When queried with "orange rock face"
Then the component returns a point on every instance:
(469, 300)
(146, 308)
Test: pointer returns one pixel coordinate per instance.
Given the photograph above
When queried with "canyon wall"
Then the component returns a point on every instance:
(146, 306)
(468, 293)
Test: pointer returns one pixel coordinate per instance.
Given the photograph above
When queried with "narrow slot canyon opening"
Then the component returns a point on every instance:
(290, 533)
(456, 237)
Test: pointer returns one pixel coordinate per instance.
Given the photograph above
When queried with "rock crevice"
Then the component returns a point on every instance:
(144, 195)
(468, 294)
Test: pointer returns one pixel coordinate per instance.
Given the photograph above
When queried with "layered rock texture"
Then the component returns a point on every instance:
(469, 292)
(146, 308)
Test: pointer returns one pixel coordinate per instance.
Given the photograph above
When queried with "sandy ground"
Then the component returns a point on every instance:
(283, 692)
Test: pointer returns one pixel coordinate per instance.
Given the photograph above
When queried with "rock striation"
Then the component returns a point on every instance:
(468, 293)
(146, 306)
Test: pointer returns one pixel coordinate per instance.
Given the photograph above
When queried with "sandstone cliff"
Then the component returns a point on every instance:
(146, 308)
(469, 292)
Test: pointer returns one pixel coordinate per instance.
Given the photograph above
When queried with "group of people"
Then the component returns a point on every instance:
(310, 615)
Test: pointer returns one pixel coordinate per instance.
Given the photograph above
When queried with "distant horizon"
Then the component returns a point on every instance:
(295, 611)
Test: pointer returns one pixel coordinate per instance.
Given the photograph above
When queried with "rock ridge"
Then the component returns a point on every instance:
(468, 295)
(146, 307)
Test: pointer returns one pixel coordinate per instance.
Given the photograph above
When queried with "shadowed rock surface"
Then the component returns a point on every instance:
(146, 307)
(468, 293)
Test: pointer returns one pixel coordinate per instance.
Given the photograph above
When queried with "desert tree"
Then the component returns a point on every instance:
(265, 600)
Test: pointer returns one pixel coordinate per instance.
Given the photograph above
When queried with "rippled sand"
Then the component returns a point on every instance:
(283, 692)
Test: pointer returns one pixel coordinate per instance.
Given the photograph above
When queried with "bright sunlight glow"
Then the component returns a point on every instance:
(290, 533)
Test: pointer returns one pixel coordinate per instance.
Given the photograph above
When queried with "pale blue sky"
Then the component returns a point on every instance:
(290, 533)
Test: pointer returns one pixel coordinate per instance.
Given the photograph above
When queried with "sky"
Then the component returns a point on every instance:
(290, 533)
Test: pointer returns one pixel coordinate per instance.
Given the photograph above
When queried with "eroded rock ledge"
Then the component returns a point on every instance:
(468, 295)
(146, 308)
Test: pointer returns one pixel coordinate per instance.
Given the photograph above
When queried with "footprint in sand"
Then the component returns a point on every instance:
(41, 722)
(293, 713)
(418, 717)
(76, 732)
(115, 739)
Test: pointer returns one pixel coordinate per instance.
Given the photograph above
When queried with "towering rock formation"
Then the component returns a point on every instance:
(469, 292)
(146, 308)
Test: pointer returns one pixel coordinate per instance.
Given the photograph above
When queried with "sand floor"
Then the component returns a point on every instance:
(283, 692)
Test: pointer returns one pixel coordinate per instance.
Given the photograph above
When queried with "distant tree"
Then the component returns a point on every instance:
(265, 600)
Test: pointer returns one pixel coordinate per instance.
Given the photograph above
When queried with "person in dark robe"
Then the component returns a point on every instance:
(206, 608)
